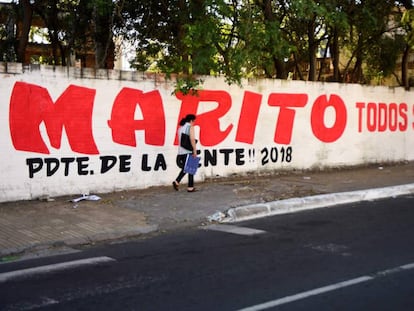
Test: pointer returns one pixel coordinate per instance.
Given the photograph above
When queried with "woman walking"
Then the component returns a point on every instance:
(186, 127)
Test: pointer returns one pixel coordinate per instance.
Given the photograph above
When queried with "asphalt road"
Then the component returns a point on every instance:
(354, 257)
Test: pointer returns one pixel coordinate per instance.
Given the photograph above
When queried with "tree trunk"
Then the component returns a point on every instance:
(279, 64)
(23, 35)
(357, 76)
(335, 56)
(312, 51)
(404, 68)
(103, 20)
(280, 68)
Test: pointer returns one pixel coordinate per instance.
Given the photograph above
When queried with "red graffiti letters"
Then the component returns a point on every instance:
(319, 129)
(248, 117)
(284, 127)
(209, 122)
(30, 105)
(124, 125)
(381, 117)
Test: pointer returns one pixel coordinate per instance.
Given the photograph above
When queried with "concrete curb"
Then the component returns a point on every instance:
(293, 205)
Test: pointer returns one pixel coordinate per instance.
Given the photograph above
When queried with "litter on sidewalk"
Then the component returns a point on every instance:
(86, 197)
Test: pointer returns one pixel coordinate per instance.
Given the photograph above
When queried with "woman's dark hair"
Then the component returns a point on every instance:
(188, 118)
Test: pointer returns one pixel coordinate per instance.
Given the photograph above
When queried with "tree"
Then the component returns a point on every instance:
(8, 17)
(276, 45)
(74, 26)
(407, 22)
(104, 13)
(51, 12)
(234, 38)
(337, 27)
(306, 28)
(25, 16)
(369, 26)
(79, 25)
(156, 28)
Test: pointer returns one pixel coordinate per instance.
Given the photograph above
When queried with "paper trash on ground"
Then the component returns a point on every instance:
(91, 197)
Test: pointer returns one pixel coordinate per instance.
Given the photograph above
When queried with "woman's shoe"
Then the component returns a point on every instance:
(175, 185)
(192, 190)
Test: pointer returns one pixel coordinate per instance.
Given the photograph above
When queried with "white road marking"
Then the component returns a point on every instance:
(325, 289)
(233, 229)
(6, 276)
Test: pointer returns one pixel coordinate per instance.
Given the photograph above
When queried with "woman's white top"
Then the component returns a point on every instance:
(183, 129)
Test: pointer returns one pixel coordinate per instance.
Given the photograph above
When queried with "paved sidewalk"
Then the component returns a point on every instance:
(26, 226)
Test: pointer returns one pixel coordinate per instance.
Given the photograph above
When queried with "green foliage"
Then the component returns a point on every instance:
(235, 39)
(262, 38)
(188, 85)
(7, 39)
(407, 21)
(381, 60)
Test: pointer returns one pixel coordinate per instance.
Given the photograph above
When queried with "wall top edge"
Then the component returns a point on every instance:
(14, 68)
(80, 73)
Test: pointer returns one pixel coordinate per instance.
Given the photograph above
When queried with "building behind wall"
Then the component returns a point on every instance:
(39, 50)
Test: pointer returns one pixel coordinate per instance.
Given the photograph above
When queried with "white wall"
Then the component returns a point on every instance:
(388, 135)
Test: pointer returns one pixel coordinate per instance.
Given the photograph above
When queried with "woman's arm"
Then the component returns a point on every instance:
(193, 140)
